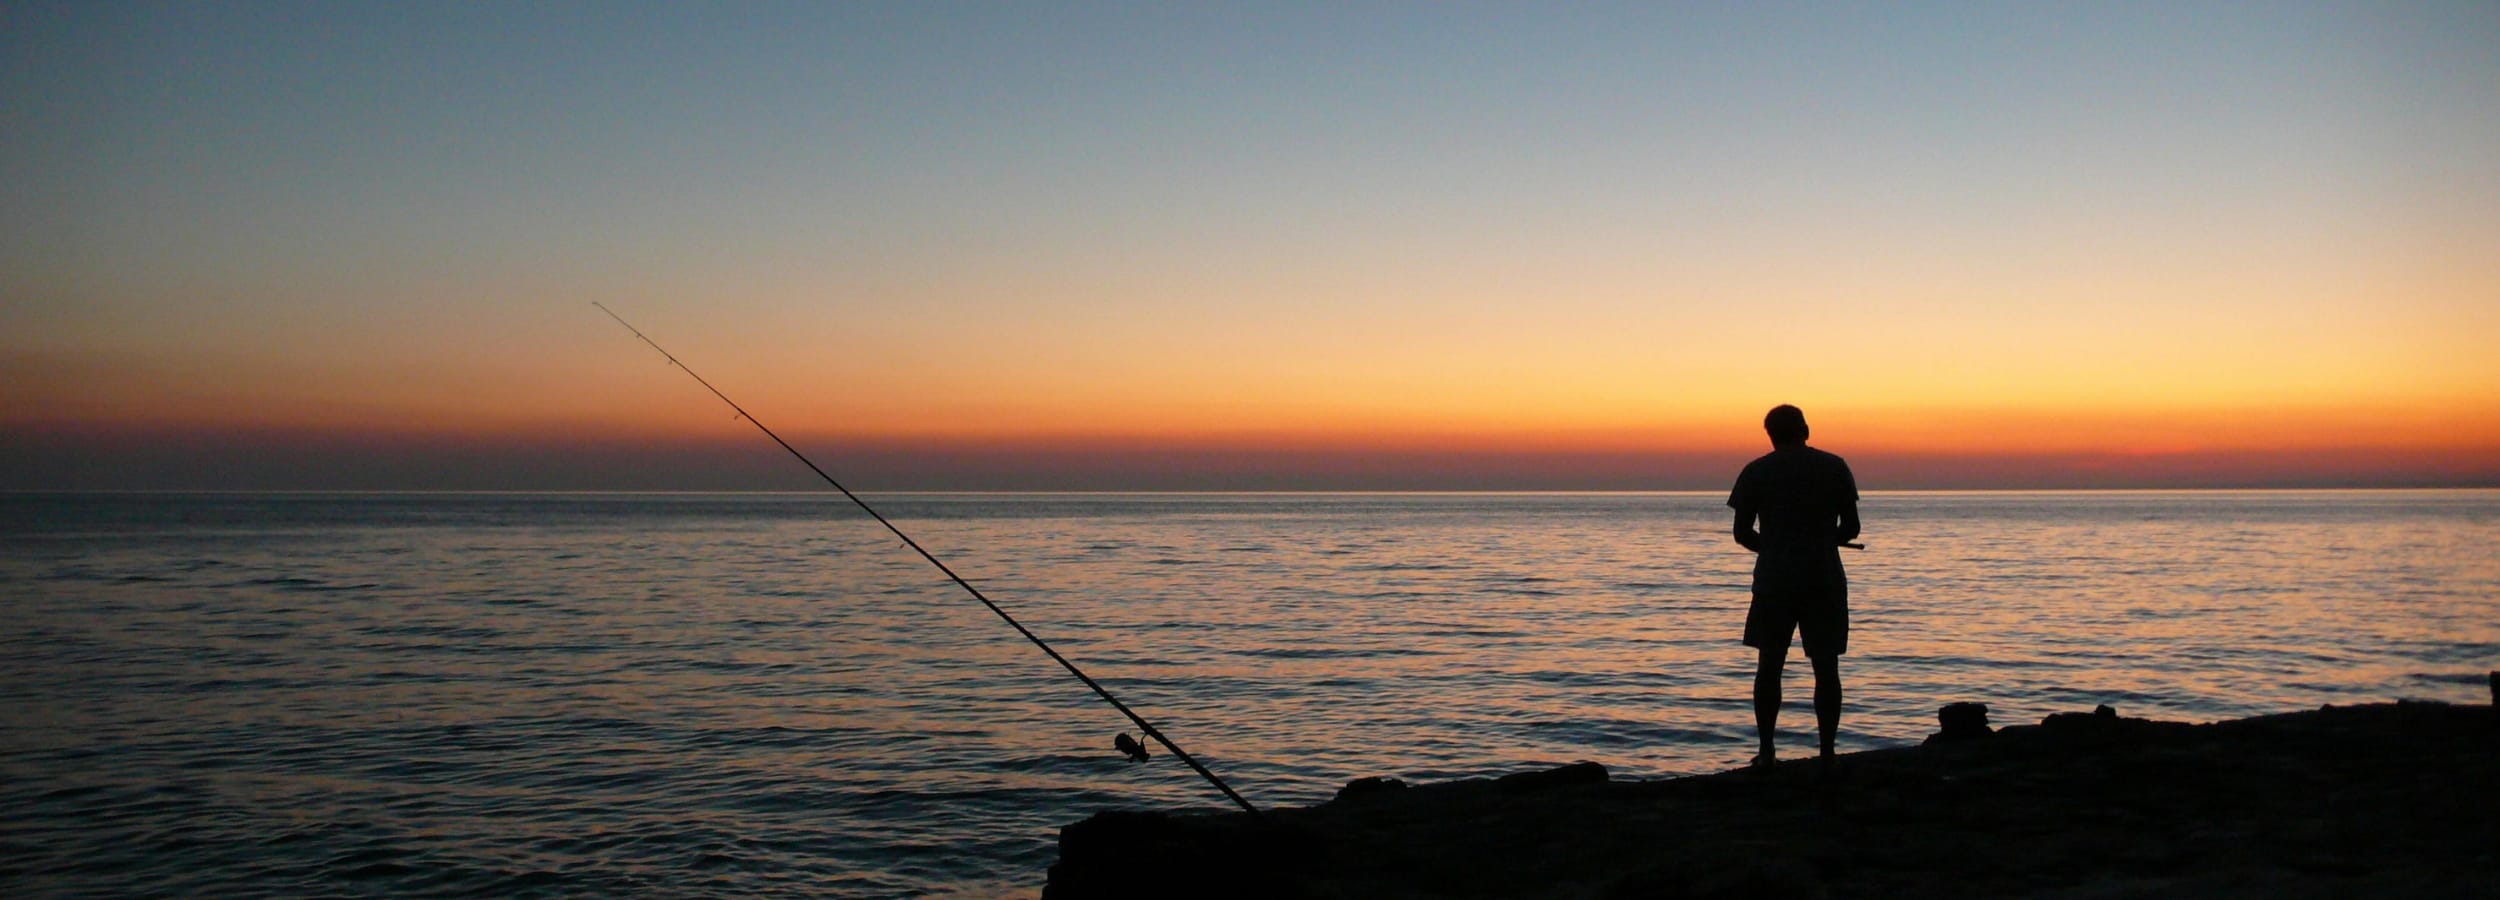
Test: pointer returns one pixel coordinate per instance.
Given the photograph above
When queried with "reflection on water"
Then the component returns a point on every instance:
(414, 694)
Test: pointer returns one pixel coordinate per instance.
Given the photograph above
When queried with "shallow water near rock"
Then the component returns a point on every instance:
(400, 695)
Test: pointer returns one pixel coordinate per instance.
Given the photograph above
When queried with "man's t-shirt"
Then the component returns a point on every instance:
(1798, 493)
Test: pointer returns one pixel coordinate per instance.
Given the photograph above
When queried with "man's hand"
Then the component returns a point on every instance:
(1745, 535)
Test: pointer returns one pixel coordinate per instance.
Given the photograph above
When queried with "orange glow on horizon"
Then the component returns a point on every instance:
(1467, 374)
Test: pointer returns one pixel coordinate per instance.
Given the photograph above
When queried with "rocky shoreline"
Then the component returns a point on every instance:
(2380, 800)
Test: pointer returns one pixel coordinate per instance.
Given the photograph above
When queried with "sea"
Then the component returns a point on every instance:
(690, 695)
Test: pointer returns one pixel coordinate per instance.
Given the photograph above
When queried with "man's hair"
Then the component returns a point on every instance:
(1786, 425)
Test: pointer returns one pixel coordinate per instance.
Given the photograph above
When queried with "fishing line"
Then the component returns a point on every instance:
(1130, 746)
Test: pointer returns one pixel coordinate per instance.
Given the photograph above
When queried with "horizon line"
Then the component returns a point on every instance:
(2242, 489)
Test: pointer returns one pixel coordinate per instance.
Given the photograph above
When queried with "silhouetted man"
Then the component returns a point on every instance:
(1807, 505)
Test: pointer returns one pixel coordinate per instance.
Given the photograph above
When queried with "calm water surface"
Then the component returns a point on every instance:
(402, 695)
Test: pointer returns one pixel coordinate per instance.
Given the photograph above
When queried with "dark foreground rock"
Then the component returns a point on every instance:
(2381, 800)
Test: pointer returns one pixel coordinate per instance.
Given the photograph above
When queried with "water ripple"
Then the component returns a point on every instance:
(503, 695)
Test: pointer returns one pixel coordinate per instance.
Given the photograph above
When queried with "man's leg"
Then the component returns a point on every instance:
(1766, 699)
(1826, 699)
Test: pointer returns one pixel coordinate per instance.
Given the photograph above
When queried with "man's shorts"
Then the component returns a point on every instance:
(1821, 616)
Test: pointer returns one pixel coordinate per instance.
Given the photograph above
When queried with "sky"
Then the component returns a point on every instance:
(1247, 247)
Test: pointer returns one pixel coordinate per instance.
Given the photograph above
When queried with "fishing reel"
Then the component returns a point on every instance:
(1129, 745)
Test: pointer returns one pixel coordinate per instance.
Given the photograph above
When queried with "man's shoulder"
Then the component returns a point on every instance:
(1749, 482)
(1797, 462)
(1768, 465)
(1798, 455)
(1792, 462)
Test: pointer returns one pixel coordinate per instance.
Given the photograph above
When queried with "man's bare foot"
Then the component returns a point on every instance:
(1762, 761)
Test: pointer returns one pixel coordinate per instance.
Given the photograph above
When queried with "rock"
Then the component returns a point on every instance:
(1369, 787)
(2094, 721)
(1582, 772)
(1744, 879)
(1152, 854)
(1112, 830)
(1961, 722)
(2104, 724)
(2374, 800)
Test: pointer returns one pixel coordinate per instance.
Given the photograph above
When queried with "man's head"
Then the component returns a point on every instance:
(1786, 424)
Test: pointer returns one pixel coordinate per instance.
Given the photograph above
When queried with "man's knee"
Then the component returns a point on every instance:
(1772, 661)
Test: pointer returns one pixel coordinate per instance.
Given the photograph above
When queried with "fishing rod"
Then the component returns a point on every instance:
(1126, 745)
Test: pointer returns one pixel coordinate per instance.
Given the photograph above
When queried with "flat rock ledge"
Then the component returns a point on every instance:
(2383, 800)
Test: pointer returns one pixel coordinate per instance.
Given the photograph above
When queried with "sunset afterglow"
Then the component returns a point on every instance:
(270, 246)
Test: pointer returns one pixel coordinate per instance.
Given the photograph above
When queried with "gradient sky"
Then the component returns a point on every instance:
(255, 245)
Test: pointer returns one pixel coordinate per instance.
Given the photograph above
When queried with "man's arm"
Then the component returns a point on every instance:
(1848, 523)
(1751, 539)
